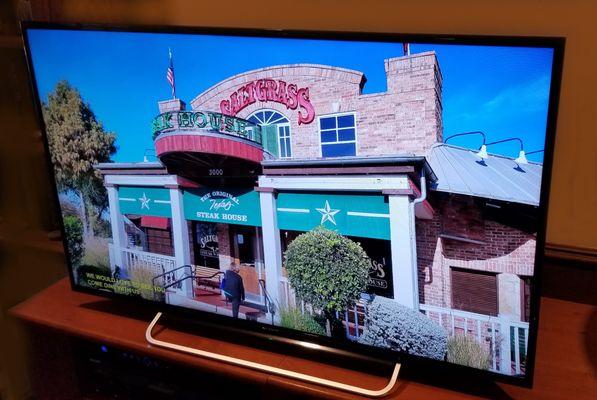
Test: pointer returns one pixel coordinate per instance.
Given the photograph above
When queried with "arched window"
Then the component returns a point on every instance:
(274, 122)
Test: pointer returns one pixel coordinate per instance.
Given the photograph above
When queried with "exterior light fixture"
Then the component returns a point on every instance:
(482, 150)
(521, 159)
(482, 153)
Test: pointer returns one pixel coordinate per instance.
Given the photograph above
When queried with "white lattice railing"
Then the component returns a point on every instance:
(506, 341)
(155, 263)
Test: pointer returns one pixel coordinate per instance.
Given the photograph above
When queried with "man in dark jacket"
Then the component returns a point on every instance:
(234, 288)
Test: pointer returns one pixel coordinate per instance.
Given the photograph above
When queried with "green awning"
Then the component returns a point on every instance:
(228, 206)
(140, 200)
(362, 215)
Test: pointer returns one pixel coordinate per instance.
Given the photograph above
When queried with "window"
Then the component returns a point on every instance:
(284, 139)
(338, 135)
(281, 127)
(474, 291)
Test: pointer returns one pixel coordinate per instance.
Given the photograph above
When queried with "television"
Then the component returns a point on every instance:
(384, 195)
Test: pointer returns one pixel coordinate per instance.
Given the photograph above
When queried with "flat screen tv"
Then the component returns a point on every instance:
(380, 194)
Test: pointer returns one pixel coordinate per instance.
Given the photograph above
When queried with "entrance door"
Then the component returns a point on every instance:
(247, 253)
(205, 244)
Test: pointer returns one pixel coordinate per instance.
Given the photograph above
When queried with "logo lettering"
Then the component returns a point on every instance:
(279, 91)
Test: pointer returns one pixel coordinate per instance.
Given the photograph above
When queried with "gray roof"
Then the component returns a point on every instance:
(461, 171)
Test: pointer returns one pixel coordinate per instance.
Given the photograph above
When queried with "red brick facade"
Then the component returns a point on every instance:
(404, 119)
(504, 249)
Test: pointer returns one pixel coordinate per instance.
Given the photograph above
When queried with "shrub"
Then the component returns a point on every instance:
(465, 350)
(293, 318)
(327, 270)
(392, 325)
(142, 279)
(73, 229)
(96, 252)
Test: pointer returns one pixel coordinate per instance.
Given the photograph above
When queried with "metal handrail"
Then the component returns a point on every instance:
(166, 273)
(193, 275)
(171, 121)
(208, 277)
(271, 306)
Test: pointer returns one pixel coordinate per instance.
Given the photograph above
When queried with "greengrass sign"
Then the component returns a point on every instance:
(361, 215)
(144, 201)
(228, 206)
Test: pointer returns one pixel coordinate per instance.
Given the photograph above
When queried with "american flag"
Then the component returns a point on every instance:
(170, 75)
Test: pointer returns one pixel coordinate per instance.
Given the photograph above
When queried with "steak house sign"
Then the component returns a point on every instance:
(290, 95)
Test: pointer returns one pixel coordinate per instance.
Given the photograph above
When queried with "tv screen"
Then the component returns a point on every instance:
(381, 193)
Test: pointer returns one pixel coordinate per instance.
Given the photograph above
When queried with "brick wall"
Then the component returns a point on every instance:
(505, 250)
(404, 119)
(159, 241)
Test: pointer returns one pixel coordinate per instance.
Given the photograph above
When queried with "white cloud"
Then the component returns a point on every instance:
(527, 97)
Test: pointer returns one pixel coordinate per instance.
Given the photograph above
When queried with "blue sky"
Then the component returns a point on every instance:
(502, 91)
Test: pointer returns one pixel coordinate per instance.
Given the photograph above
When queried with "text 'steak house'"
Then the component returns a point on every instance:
(268, 154)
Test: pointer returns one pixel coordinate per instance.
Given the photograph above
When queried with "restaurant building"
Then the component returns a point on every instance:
(265, 155)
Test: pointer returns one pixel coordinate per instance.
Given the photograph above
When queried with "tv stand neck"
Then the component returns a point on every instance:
(269, 369)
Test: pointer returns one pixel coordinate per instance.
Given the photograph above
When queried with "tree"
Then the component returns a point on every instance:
(77, 141)
(73, 229)
(328, 271)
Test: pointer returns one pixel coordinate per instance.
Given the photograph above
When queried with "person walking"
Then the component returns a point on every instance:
(234, 288)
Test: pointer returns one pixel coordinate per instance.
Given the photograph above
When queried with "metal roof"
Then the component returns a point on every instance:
(462, 171)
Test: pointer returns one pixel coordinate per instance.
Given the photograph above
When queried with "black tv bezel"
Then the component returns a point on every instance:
(280, 337)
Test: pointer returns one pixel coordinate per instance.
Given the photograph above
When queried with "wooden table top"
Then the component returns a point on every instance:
(566, 362)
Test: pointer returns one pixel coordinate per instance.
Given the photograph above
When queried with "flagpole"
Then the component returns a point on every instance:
(170, 74)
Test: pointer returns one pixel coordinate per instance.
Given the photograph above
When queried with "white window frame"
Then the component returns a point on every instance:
(278, 126)
(280, 138)
(355, 141)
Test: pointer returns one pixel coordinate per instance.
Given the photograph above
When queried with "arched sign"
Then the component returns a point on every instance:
(290, 95)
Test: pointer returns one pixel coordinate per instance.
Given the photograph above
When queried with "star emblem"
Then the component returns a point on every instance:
(144, 201)
(327, 213)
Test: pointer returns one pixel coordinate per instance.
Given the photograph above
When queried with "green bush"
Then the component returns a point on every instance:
(327, 270)
(465, 350)
(392, 325)
(73, 229)
(293, 318)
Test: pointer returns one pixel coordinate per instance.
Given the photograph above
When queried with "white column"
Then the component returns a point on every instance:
(259, 257)
(119, 240)
(180, 237)
(403, 245)
(505, 354)
(509, 296)
(272, 249)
